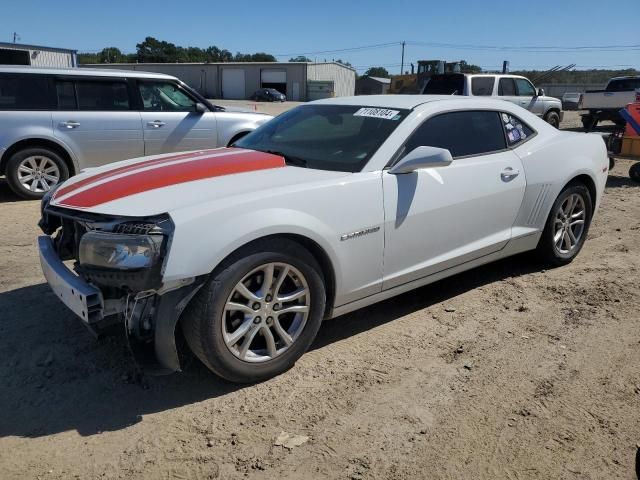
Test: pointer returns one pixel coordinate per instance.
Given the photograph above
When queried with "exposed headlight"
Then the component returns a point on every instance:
(118, 251)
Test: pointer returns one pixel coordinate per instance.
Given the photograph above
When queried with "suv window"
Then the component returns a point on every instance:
(462, 133)
(525, 89)
(507, 87)
(24, 92)
(66, 94)
(102, 95)
(515, 129)
(165, 97)
(482, 86)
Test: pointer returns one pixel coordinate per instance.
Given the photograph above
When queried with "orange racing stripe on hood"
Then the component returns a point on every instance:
(174, 174)
(129, 168)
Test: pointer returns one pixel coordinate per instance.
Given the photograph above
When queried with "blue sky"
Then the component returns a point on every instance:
(299, 26)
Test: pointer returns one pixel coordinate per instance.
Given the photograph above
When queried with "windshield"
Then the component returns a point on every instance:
(326, 137)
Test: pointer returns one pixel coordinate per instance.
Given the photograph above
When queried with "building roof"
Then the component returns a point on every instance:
(22, 46)
(380, 79)
(230, 64)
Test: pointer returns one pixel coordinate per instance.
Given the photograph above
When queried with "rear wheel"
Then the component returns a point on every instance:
(32, 172)
(257, 316)
(567, 226)
(553, 119)
(634, 172)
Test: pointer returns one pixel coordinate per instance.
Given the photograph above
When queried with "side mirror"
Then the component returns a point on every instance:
(200, 108)
(541, 92)
(422, 157)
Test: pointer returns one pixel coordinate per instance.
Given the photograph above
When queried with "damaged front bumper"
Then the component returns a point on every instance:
(102, 297)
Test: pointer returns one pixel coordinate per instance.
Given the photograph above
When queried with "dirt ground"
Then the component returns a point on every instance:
(505, 372)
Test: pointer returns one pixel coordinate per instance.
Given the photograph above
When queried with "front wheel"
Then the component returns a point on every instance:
(259, 314)
(567, 226)
(553, 119)
(32, 172)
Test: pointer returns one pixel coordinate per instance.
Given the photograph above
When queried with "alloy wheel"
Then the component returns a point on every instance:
(266, 312)
(569, 224)
(38, 174)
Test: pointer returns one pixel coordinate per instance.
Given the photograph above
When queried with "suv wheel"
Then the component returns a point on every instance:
(32, 172)
(567, 226)
(257, 316)
(553, 119)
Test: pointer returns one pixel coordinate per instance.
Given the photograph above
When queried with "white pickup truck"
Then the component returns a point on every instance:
(512, 88)
(605, 104)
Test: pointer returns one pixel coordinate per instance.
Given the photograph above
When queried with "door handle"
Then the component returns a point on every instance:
(509, 174)
(70, 124)
(156, 124)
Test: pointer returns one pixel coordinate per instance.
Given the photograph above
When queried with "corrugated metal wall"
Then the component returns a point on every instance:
(206, 78)
(46, 58)
(344, 79)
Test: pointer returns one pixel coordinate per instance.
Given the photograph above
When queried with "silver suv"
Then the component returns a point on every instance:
(55, 122)
(512, 88)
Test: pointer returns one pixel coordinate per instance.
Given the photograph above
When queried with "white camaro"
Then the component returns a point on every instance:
(331, 206)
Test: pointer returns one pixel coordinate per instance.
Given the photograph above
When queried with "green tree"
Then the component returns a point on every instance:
(469, 68)
(300, 58)
(377, 72)
(110, 55)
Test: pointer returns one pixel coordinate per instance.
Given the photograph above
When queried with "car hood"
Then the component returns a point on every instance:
(165, 183)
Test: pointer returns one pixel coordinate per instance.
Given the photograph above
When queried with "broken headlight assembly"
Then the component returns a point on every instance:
(119, 251)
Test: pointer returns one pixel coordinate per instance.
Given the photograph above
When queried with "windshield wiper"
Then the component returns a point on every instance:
(289, 159)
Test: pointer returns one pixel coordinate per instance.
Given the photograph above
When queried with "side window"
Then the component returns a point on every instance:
(462, 133)
(24, 92)
(66, 94)
(165, 97)
(525, 89)
(507, 87)
(102, 95)
(482, 86)
(516, 130)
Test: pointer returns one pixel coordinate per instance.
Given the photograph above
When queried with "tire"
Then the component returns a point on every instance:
(634, 172)
(47, 167)
(553, 119)
(209, 325)
(548, 250)
(589, 122)
(612, 163)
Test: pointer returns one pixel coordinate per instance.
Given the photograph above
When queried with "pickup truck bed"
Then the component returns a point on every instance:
(605, 104)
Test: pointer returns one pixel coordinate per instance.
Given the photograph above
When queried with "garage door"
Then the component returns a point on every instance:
(274, 76)
(233, 84)
(274, 79)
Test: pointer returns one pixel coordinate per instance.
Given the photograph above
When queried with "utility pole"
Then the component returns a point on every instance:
(402, 61)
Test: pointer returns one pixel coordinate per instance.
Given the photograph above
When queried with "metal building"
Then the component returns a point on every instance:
(299, 81)
(37, 56)
(372, 85)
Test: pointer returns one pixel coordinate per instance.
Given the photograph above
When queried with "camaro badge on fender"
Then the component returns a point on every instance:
(359, 233)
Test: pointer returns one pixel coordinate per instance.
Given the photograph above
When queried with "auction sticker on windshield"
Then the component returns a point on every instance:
(377, 113)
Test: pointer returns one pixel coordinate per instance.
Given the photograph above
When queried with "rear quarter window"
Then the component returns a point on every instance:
(482, 86)
(515, 129)
(25, 92)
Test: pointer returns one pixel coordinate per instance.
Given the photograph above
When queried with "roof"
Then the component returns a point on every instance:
(380, 79)
(90, 72)
(284, 64)
(22, 46)
(390, 101)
